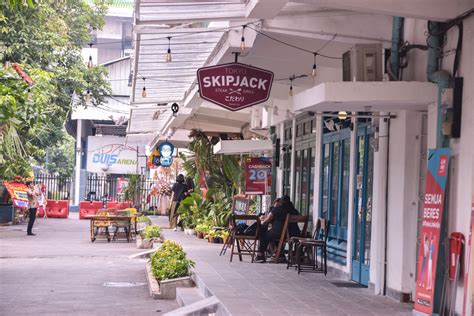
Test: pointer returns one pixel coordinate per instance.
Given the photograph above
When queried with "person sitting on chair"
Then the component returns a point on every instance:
(276, 217)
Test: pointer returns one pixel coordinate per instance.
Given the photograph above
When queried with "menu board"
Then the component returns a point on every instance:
(240, 205)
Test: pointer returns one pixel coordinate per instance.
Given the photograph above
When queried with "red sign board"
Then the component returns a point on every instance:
(234, 86)
(18, 193)
(258, 175)
(430, 230)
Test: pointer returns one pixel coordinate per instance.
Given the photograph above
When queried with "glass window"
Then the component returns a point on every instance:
(297, 190)
(324, 184)
(335, 185)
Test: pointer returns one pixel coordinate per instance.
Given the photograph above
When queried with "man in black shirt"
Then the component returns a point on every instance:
(178, 193)
(277, 218)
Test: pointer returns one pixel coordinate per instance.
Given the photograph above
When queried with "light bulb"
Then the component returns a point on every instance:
(144, 92)
(275, 110)
(90, 64)
(87, 97)
(342, 115)
(313, 72)
(242, 44)
(290, 93)
(168, 56)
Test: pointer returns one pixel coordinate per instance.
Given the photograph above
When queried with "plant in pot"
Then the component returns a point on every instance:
(149, 235)
(142, 222)
(191, 210)
(224, 234)
(171, 268)
(212, 236)
(202, 229)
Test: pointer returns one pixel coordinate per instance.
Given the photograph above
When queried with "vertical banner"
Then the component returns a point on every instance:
(435, 187)
(258, 175)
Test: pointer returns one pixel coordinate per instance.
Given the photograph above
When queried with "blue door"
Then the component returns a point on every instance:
(363, 206)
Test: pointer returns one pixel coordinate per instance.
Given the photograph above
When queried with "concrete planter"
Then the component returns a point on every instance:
(165, 289)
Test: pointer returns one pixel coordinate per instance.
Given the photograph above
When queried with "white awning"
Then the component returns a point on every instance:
(233, 147)
(112, 109)
(366, 96)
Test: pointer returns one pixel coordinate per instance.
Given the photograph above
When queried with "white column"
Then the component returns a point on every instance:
(292, 173)
(317, 167)
(77, 176)
(350, 215)
(379, 213)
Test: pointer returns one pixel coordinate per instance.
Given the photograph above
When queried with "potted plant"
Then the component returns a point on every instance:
(213, 236)
(148, 236)
(142, 222)
(224, 234)
(167, 269)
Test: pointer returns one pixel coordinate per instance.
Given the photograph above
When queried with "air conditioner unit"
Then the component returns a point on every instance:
(363, 63)
(256, 119)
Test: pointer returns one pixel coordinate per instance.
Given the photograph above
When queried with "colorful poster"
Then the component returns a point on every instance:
(258, 175)
(122, 184)
(18, 193)
(436, 177)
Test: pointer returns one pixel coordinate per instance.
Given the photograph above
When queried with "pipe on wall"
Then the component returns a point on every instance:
(397, 39)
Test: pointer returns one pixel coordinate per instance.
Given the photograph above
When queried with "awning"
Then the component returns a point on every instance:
(234, 147)
(111, 110)
(367, 96)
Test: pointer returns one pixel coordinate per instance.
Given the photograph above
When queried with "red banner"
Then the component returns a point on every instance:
(234, 86)
(18, 193)
(258, 174)
(438, 161)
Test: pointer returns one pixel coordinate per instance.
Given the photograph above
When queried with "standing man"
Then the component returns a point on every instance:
(178, 194)
(33, 205)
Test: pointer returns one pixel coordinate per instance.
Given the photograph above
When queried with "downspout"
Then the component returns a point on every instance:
(397, 38)
(442, 78)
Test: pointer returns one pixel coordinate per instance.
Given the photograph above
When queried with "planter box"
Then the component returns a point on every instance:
(165, 289)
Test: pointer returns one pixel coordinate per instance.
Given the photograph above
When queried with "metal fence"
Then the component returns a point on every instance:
(98, 187)
(55, 187)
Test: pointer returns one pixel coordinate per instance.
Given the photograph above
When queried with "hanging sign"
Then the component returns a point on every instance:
(234, 86)
(18, 193)
(438, 162)
(258, 175)
(166, 150)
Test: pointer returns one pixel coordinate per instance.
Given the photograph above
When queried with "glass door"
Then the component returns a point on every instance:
(363, 206)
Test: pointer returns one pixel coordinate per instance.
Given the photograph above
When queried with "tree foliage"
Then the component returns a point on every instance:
(45, 38)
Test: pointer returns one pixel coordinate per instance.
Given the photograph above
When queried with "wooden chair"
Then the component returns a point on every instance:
(101, 227)
(285, 234)
(294, 242)
(124, 225)
(312, 247)
(245, 244)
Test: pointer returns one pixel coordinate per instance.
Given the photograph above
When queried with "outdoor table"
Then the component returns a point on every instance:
(94, 218)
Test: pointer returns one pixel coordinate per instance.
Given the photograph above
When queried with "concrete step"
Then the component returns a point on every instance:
(188, 295)
(206, 306)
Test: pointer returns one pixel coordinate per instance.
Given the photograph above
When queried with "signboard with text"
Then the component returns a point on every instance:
(258, 175)
(234, 86)
(436, 178)
(112, 155)
(18, 193)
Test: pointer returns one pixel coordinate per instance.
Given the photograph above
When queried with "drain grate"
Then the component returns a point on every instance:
(123, 284)
(349, 285)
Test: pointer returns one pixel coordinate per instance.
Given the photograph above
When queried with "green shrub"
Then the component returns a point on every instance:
(152, 231)
(144, 219)
(170, 262)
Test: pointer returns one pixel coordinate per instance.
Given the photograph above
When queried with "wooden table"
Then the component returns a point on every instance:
(94, 218)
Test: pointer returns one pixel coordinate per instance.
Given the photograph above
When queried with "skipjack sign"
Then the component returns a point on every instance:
(258, 175)
(234, 86)
(438, 161)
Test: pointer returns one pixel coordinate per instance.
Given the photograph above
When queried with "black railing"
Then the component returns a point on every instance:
(98, 187)
(54, 187)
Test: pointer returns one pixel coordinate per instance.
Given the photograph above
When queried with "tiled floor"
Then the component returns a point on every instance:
(270, 289)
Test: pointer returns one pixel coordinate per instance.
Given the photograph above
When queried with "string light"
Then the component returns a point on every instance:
(313, 72)
(90, 64)
(242, 39)
(168, 53)
(342, 115)
(144, 89)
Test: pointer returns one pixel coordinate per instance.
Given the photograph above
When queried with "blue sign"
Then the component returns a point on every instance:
(166, 150)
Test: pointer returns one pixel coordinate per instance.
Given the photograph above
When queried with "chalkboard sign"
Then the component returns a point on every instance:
(240, 205)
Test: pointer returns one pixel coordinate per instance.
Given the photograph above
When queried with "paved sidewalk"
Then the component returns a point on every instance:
(270, 289)
(59, 272)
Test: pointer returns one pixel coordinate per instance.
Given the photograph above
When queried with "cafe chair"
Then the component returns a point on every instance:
(244, 244)
(293, 242)
(122, 225)
(285, 234)
(312, 248)
(101, 226)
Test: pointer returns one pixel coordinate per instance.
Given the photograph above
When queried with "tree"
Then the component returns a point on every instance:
(44, 38)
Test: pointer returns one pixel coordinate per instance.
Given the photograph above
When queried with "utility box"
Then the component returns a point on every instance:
(363, 63)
